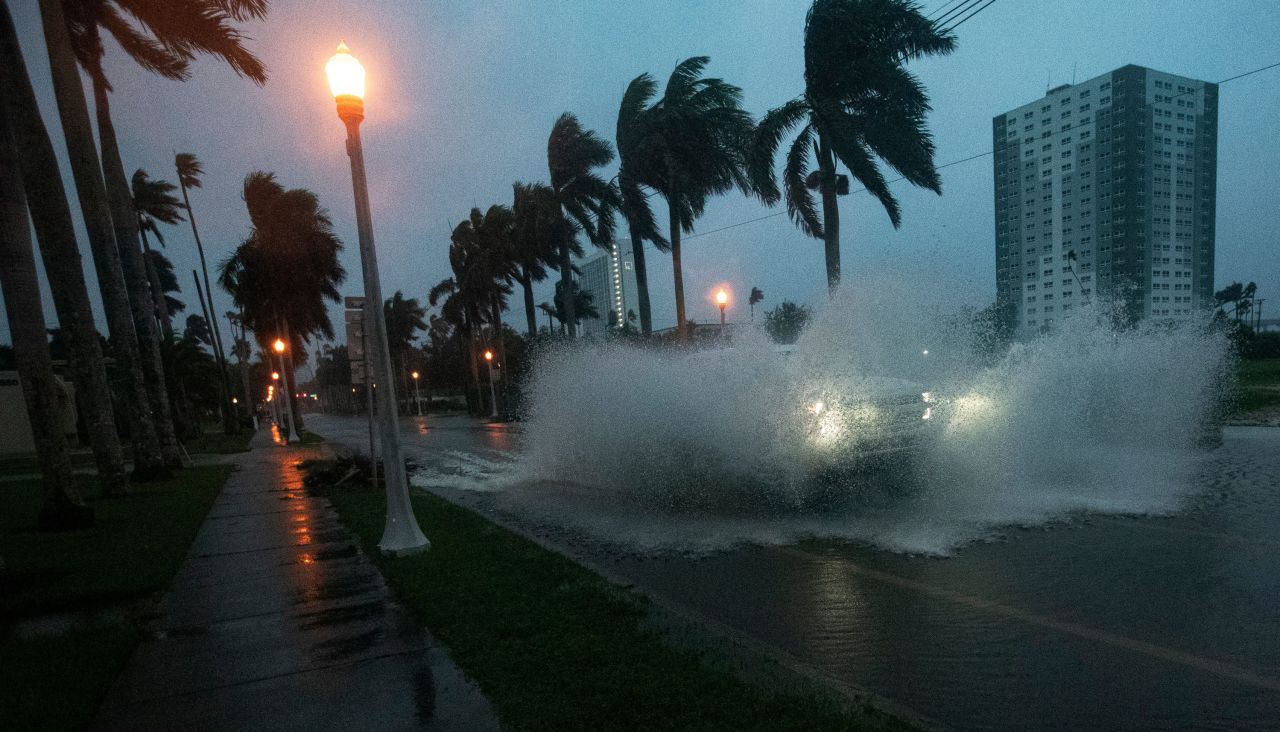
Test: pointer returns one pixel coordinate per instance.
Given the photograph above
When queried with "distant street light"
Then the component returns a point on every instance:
(493, 397)
(401, 534)
(417, 399)
(722, 299)
(292, 434)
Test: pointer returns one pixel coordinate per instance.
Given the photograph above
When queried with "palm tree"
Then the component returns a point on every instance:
(63, 507)
(536, 232)
(164, 39)
(756, 296)
(51, 219)
(152, 458)
(283, 274)
(404, 318)
(859, 103)
(167, 279)
(586, 201)
(695, 144)
(480, 252)
(153, 204)
(189, 172)
(634, 139)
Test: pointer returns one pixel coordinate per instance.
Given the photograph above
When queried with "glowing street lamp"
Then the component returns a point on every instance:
(292, 434)
(417, 399)
(722, 299)
(401, 534)
(493, 397)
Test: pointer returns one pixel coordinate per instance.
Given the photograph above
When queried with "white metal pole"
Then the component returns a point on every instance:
(401, 535)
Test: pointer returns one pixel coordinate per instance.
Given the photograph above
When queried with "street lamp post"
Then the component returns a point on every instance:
(401, 535)
(722, 299)
(493, 397)
(417, 399)
(292, 435)
(273, 396)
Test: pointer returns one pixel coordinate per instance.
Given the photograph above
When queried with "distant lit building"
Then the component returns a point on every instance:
(1107, 188)
(609, 275)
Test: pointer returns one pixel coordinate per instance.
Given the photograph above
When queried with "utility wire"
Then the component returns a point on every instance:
(958, 23)
(948, 4)
(971, 158)
(955, 12)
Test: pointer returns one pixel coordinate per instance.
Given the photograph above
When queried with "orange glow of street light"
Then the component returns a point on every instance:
(722, 297)
(278, 345)
(415, 375)
(488, 355)
(346, 74)
(275, 375)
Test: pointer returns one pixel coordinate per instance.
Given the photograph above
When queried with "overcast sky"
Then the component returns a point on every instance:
(461, 98)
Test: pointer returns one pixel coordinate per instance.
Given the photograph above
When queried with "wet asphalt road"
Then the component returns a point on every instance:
(1101, 622)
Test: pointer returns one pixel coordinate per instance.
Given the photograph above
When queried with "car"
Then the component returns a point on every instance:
(858, 425)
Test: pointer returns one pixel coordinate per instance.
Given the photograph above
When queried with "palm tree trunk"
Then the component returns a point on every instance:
(830, 214)
(230, 425)
(51, 218)
(155, 289)
(682, 325)
(530, 314)
(567, 288)
(642, 283)
(499, 340)
(63, 508)
(291, 380)
(125, 221)
(224, 391)
(86, 169)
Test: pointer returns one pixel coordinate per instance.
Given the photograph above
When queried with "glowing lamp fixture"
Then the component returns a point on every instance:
(346, 81)
(488, 355)
(275, 375)
(722, 297)
(278, 345)
(415, 375)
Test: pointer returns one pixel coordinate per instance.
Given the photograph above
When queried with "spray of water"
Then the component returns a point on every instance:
(697, 450)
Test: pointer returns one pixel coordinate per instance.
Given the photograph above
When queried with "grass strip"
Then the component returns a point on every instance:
(54, 680)
(213, 441)
(135, 547)
(556, 647)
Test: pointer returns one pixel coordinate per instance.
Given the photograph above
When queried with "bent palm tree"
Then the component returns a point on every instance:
(633, 134)
(51, 219)
(152, 458)
(162, 38)
(189, 172)
(153, 201)
(585, 199)
(536, 232)
(63, 507)
(859, 104)
(695, 146)
(283, 274)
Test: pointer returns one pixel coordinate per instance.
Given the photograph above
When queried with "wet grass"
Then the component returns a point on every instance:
(1259, 387)
(554, 646)
(56, 680)
(137, 543)
(216, 442)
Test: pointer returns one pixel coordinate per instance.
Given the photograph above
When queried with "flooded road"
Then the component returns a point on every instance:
(1088, 622)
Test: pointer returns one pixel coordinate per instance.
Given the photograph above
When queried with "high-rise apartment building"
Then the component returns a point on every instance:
(1107, 188)
(610, 277)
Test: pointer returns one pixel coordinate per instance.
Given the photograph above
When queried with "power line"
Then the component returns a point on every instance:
(956, 11)
(971, 158)
(958, 23)
(948, 4)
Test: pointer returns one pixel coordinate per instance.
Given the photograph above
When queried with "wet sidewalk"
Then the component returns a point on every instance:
(277, 621)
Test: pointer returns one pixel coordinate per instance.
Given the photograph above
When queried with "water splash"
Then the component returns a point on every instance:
(672, 449)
